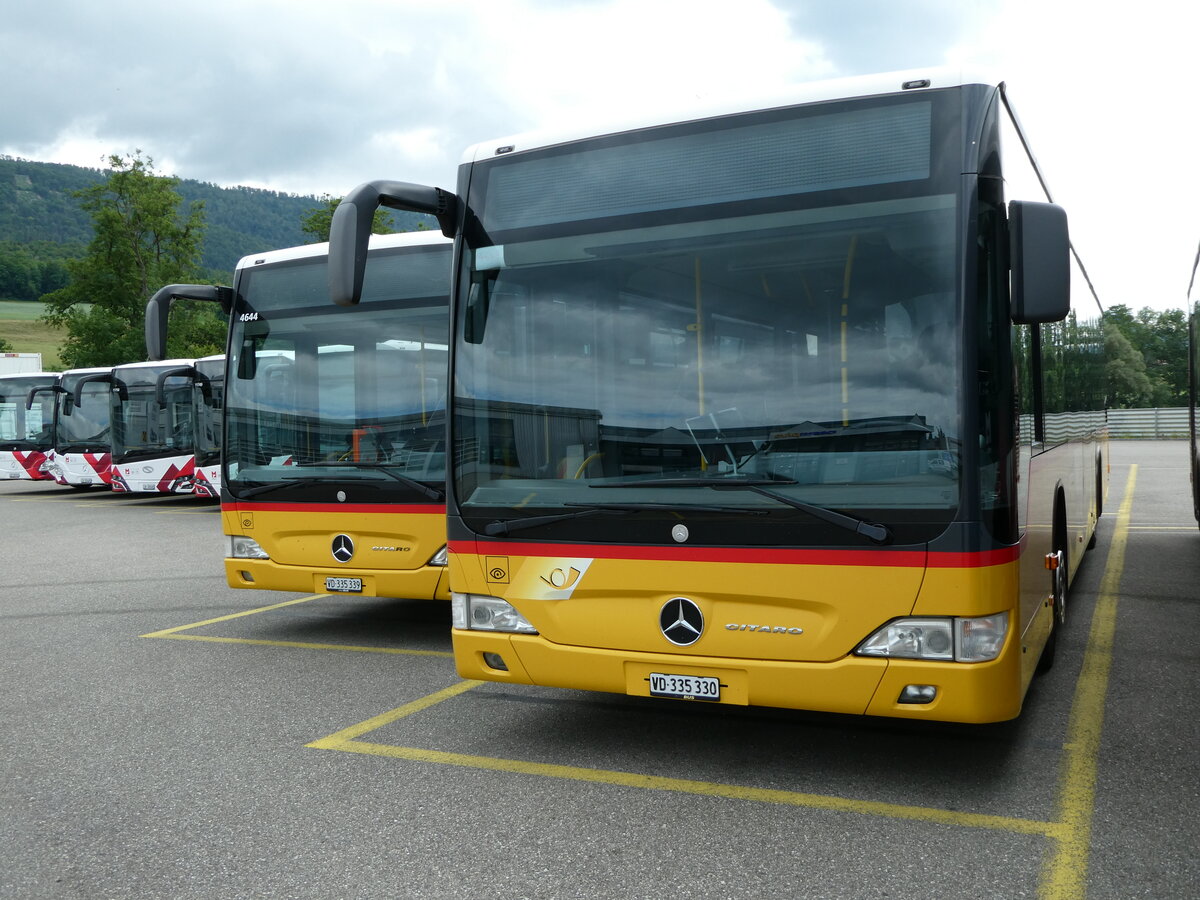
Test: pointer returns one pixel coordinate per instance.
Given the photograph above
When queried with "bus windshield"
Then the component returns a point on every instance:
(713, 340)
(21, 428)
(323, 394)
(141, 428)
(84, 426)
(208, 394)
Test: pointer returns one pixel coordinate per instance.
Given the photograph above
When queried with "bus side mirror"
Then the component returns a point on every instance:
(158, 307)
(160, 386)
(350, 228)
(1040, 252)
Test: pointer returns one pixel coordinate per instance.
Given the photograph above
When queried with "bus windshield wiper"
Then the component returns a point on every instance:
(872, 531)
(386, 469)
(271, 485)
(496, 528)
(589, 509)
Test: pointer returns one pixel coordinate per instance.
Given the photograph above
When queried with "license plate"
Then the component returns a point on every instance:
(85, 481)
(14, 474)
(149, 487)
(344, 585)
(686, 687)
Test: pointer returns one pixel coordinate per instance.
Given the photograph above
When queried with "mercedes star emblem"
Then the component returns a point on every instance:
(681, 621)
(343, 548)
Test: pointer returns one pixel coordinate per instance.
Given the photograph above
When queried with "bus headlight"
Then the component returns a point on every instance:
(242, 547)
(475, 612)
(949, 639)
(441, 558)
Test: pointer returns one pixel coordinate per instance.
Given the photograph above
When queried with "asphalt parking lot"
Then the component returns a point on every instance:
(166, 736)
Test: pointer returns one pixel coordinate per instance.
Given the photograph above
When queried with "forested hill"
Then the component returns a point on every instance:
(40, 219)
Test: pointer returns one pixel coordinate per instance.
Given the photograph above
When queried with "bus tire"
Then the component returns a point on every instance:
(1062, 574)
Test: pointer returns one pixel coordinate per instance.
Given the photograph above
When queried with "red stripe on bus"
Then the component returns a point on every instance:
(761, 555)
(388, 508)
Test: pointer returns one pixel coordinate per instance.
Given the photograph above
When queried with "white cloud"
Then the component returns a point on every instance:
(1101, 92)
(314, 97)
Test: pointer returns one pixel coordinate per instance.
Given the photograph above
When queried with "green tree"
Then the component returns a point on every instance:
(1166, 353)
(1129, 387)
(142, 241)
(1161, 338)
(5, 346)
(316, 222)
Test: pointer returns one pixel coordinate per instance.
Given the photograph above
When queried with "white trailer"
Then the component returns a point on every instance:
(20, 363)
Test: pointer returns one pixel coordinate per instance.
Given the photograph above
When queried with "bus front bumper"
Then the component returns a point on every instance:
(424, 583)
(971, 693)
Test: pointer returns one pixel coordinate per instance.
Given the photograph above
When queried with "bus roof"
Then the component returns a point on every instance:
(713, 106)
(51, 376)
(154, 364)
(378, 242)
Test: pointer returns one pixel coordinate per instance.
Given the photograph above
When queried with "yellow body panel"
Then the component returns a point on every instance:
(392, 550)
(598, 624)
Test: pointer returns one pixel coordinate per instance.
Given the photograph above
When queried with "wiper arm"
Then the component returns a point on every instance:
(512, 525)
(270, 486)
(693, 481)
(671, 507)
(385, 468)
(421, 487)
(590, 509)
(872, 531)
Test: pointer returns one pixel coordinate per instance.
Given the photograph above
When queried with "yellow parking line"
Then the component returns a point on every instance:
(710, 789)
(1064, 874)
(167, 632)
(347, 741)
(176, 634)
(346, 736)
(302, 645)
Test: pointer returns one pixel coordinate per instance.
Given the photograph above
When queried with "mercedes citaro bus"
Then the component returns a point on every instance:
(334, 445)
(795, 402)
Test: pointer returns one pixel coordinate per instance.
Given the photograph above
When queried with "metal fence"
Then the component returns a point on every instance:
(1156, 424)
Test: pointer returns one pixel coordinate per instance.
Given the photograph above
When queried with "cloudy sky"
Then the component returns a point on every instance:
(315, 96)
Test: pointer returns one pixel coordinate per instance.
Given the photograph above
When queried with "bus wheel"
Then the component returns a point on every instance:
(1059, 579)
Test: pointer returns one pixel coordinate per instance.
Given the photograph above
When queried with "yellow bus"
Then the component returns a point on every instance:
(333, 457)
(790, 403)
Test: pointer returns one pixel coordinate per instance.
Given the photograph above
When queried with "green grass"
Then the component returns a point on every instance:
(22, 310)
(20, 326)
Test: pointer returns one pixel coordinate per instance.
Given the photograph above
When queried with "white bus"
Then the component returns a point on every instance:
(153, 427)
(82, 452)
(26, 425)
(208, 399)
